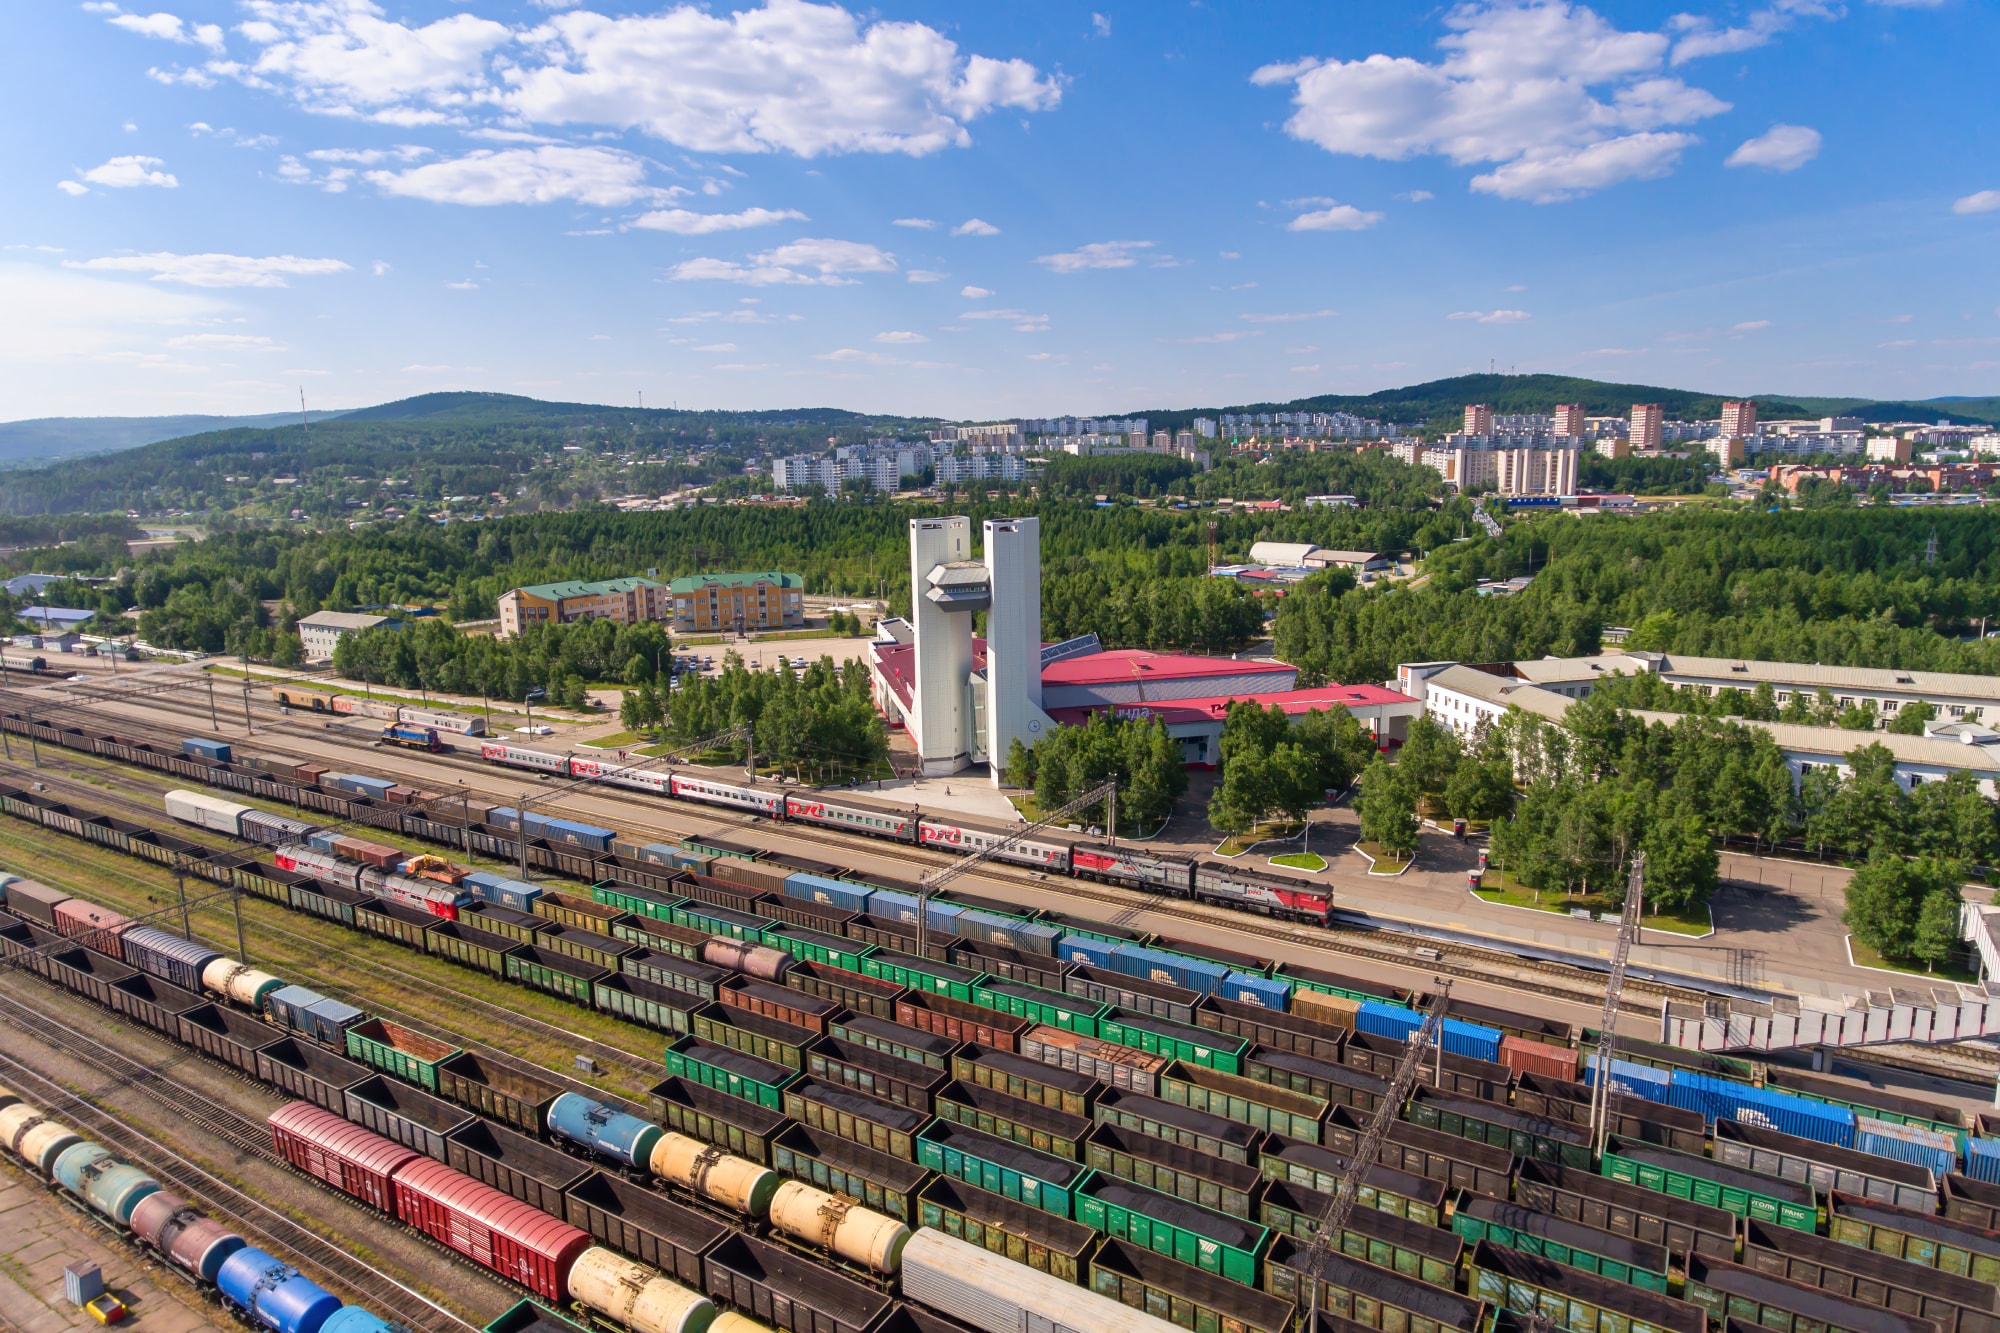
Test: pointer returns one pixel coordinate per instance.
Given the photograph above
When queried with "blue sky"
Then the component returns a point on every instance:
(981, 210)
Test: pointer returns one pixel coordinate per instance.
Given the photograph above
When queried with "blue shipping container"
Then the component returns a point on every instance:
(1085, 949)
(216, 750)
(1982, 1160)
(330, 1020)
(888, 905)
(517, 894)
(288, 1005)
(479, 879)
(578, 835)
(356, 784)
(1721, 1099)
(1172, 968)
(1633, 1080)
(1459, 1038)
(989, 928)
(838, 893)
(1907, 1143)
(1261, 991)
(323, 840)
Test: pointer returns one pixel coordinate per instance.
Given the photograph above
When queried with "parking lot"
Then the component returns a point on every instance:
(766, 656)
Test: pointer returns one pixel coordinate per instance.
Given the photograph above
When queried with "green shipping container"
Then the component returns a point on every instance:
(1619, 1258)
(1684, 1176)
(1006, 1168)
(1295, 1115)
(729, 1071)
(1050, 1008)
(1030, 1236)
(921, 974)
(1176, 1041)
(1210, 1241)
(810, 946)
(1523, 1135)
(394, 1049)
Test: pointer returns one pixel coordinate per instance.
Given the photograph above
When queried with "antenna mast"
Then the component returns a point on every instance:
(305, 422)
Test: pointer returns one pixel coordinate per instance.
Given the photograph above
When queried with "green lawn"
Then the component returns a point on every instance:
(1511, 893)
(1310, 862)
(1269, 832)
(1384, 863)
(1953, 971)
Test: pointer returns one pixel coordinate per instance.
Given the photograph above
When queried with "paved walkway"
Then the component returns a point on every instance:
(971, 793)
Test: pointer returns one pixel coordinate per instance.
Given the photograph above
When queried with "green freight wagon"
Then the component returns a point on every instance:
(587, 946)
(394, 1049)
(921, 974)
(1046, 1007)
(700, 1112)
(1379, 1298)
(1018, 1076)
(1734, 1291)
(753, 1034)
(1000, 1165)
(1233, 1097)
(1057, 1133)
(1338, 1085)
(695, 914)
(1231, 1140)
(1524, 1135)
(1199, 1177)
(1619, 1258)
(1383, 1187)
(659, 936)
(1027, 1235)
(730, 1071)
(527, 1316)
(469, 946)
(1685, 1176)
(521, 927)
(1461, 1163)
(558, 974)
(855, 1116)
(1574, 1300)
(1683, 1226)
(1182, 1294)
(892, 1038)
(904, 1082)
(1957, 1304)
(841, 1166)
(1176, 1041)
(1426, 1253)
(810, 946)
(1944, 1243)
(644, 1003)
(639, 902)
(1213, 1242)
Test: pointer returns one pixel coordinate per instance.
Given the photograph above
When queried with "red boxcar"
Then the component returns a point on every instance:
(93, 926)
(1538, 1057)
(344, 1155)
(488, 1227)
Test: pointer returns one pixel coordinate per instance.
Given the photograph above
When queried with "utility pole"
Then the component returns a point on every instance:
(180, 887)
(521, 828)
(34, 746)
(213, 723)
(249, 727)
(242, 949)
(1607, 1041)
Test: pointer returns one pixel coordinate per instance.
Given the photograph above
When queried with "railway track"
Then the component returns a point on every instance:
(327, 980)
(1424, 955)
(344, 1274)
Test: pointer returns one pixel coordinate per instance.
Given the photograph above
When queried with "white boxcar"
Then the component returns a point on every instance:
(1000, 1296)
(459, 724)
(209, 812)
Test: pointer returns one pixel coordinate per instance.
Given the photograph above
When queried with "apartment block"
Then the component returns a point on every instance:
(763, 599)
(626, 601)
(1648, 423)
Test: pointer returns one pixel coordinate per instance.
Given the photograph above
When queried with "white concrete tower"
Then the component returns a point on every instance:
(944, 646)
(1013, 704)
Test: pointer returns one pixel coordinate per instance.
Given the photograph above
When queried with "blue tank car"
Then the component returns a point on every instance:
(603, 1129)
(273, 1294)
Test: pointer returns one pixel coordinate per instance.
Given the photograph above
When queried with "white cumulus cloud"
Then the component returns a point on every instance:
(1780, 148)
(920, 224)
(975, 227)
(1491, 316)
(1334, 217)
(975, 293)
(1985, 201)
(683, 222)
(214, 270)
(601, 177)
(787, 264)
(122, 173)
(161, 26)
(1556, 99)
(1098, 254)
(900, 336)
(1699, 36)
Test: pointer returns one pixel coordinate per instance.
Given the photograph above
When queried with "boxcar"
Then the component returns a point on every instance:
(1380, 1298)
(1824, 1166)
(1727, 1290)
(644, 1224)
(1955, 1304)
(1186, 1295)
(1003, 1166)
(1027, 1235)
(1946, 1243)
(1415, 1197)
(499, 1092)
(404, 1115)
(1231, 1140)
(841, 1166)
(700, 1112)
(514, 1164)
(854, 1115)
(788, 1292)
(1683, 1226)
(1585, 1302)
(1426, 1253)
(1620, 1258)
(1199, 1177)
(1685, 1176)
(1057, 1133)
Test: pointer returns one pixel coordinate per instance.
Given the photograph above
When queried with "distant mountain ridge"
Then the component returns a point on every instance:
(47, 439)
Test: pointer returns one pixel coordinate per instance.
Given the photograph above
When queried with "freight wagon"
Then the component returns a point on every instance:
(1313, 1167)
(643, 1224)
(853, 1115)
(1630, 1117)
(1010, 1169)
(729, 1071)
(851, 990)
(1426, 1253)
(895, 1039)
(1125, 1068)
(1955, 1304)
(1018, 1076)
(789, 1292)
(1379, 1298)
(1055, 1132)
(1526, 1284)
(1949, 1244)
(1501, 1127)
(841, 1166)
(1683, 1226)
(1213, 1182)
(1460, 1163)
(1213, 1242)
(1824, 1167)
(1620, 1258)
(743, 1127)
(1726, 1290)
(1026, 1235)
(1685, 1176)
(1258, 1105)
(1146, 1281)
(1228, 1139)
(514, 1164)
